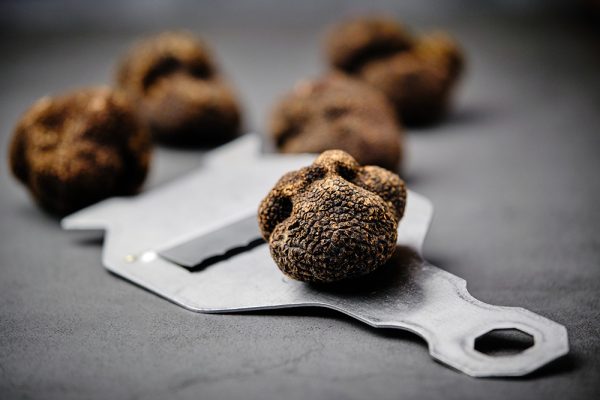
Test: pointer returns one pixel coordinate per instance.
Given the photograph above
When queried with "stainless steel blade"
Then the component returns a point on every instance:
(210, 247)
(408, 293)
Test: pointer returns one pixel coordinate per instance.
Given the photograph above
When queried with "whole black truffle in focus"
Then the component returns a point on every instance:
(338, 112)
(179, 91)
(76, 149)
(417, 74)
(332, 220)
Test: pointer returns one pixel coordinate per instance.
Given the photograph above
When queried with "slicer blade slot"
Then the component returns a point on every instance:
(214, 246)
(234, 251)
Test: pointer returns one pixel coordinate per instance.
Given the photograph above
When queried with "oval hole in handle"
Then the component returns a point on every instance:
(542, 341)
(503, 342)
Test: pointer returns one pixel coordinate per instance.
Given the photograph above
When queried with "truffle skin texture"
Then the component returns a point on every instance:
(79, 148)
(332, 220)
(355, 42)
(418, 78)
(179, 92)
(338, 112)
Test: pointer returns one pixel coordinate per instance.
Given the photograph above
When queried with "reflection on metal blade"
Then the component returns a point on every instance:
(216, 245)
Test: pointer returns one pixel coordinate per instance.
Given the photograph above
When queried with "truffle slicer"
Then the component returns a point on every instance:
(209, 211)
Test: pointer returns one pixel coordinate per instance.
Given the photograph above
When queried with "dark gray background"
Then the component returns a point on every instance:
(513, 174)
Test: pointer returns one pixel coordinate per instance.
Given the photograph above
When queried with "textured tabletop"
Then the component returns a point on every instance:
(513, 174)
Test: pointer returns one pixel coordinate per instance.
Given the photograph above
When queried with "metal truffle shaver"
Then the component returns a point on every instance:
(195, 242)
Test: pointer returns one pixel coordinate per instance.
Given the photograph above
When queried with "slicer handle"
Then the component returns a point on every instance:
(437, 306)
(454, 343)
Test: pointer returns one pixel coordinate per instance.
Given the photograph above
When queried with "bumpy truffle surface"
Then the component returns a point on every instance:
(79, 148)
(338, 112)
(356, 42)
(417, 76)
(332, 220)
(179, 92)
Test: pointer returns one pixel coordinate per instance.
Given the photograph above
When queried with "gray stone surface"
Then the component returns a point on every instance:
(513, 174)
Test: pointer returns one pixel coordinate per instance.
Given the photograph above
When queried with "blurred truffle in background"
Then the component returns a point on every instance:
(78, 148)
(338, 112)
(179, 91)
(417, 74)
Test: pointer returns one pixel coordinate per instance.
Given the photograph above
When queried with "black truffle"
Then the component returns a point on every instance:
(338, 112)
(332, 220)
(179, 92)
(79, 148)
(352, 44)
(417, 74)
